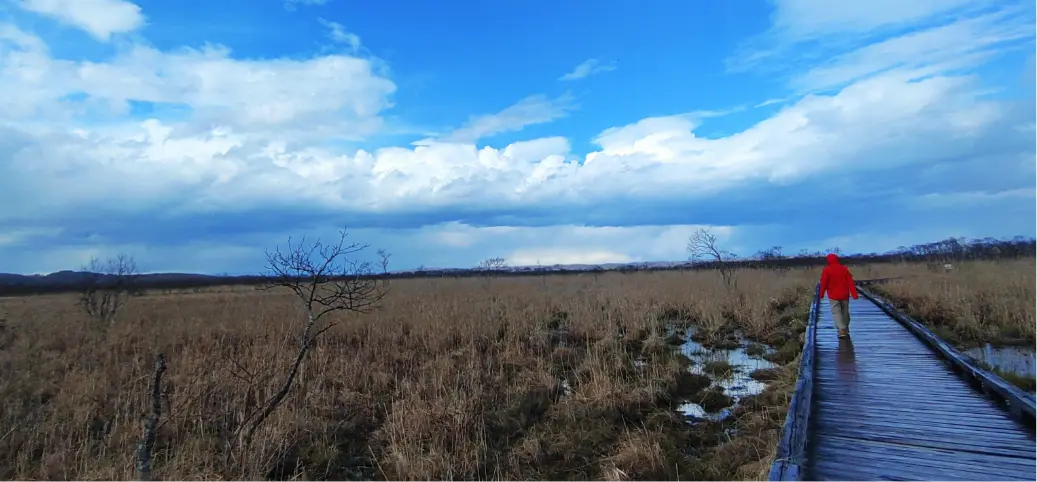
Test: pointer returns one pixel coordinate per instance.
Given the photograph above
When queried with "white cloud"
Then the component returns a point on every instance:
(291, 5)
(20, 237)
(338, 33)
(962, 44)
(255, 136)
(771, 102)
(808, 19)
(436, 246)
(99, 18)
(588, 68)
(535, 109)
(974, 198)
(878, 123)
(823, 45)
(328, 96)
(552, 256)
(567, 244)
(537, 150)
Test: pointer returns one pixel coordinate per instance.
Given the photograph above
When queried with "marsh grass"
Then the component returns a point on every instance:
(520, 378)
(976, 303)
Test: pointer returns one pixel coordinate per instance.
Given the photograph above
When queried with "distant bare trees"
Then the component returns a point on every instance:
(107, 286)
(492, 264)
(327, 279)
(703, 246)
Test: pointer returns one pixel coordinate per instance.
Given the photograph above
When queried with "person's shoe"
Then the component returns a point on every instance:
(844, 333)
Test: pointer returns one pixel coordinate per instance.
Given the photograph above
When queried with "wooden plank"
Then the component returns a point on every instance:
(888, 407)
(791, 452)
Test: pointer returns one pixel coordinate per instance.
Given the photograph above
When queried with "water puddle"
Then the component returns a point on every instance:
(1016, 360)
(729, 370)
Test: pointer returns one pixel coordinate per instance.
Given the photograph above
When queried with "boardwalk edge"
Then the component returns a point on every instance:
(791, 453)
(1019, 403)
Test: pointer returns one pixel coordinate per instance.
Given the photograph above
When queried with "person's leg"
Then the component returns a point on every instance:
(839, 312)
(846, 318)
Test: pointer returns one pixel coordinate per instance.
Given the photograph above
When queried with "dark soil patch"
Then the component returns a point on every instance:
(677, 313)
(767, 374)
(785, 353)
(689, 384)
(713, 399)
(675, 339)
(755, 349)
(720, 369)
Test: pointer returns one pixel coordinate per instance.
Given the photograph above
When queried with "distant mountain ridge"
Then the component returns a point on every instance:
(69, 277)
(949, 250)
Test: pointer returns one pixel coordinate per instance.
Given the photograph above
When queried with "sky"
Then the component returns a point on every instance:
(193, 135)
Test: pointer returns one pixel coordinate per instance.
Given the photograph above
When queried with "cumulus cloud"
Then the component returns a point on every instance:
(247, 95)
(99, 18)
(243, 152)
(883, 123)
(588, 68)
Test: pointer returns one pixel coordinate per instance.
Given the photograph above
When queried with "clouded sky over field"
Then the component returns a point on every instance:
(193, 134)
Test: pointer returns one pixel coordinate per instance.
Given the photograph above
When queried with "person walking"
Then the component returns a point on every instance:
(837, 281)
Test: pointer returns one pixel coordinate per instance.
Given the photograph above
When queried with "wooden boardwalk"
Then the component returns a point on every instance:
(884, 405)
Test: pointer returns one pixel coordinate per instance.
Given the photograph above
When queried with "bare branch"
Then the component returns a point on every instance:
(325, 279)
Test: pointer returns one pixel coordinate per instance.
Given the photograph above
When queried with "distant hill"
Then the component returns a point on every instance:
(74, 278)
(949, 250)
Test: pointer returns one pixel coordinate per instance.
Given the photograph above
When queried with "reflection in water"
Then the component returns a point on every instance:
(846, 359)
(737, 385)
(1018, 360)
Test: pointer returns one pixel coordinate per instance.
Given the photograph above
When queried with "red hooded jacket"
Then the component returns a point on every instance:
(837, 281)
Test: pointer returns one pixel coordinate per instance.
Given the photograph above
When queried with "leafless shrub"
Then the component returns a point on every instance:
(327, 280)
(107, 287)
(703, 246)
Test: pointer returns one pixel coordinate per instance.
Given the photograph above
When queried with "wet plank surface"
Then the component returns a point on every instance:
(886, 407)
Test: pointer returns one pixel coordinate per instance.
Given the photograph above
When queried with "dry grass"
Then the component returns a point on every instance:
(449, 379)
(976, 302)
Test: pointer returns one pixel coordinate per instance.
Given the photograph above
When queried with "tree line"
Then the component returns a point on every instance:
(703, 247)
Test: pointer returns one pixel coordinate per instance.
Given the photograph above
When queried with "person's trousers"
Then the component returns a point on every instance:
(840, 313)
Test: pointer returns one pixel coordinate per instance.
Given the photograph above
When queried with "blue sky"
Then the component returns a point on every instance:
(192, 135)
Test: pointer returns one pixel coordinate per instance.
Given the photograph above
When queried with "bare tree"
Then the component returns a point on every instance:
(492, 264)
(326, 280)
(107, 286)
(703, 246)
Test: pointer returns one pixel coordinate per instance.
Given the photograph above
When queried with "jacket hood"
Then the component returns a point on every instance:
(832, 258)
